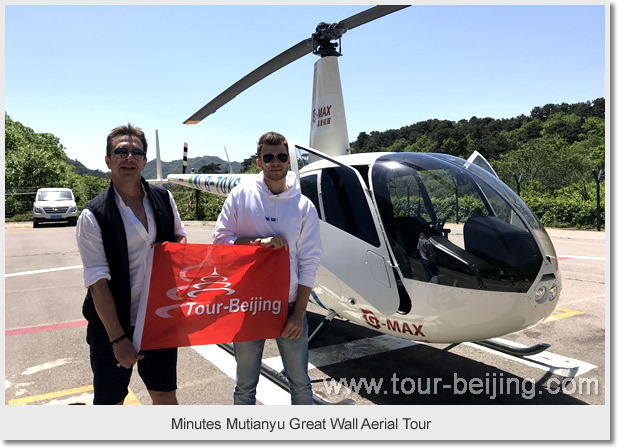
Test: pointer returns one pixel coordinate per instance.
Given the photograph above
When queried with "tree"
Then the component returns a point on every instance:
(526, 132)
(33, 160)
(211, 168)
(544, 112)
(540, 164)
(249, 166)
(399, 146)
(449, 146)
(87, 187)
(567, 126)
(16, 135)
(590, 152)
(360, 143)
(423, 144)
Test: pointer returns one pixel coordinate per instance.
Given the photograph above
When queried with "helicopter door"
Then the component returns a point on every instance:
(353, 248)
(477, 159)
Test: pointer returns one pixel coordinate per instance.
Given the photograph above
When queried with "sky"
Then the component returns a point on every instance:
(78, 71)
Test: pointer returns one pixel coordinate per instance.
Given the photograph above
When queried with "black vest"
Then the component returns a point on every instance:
(114, 239)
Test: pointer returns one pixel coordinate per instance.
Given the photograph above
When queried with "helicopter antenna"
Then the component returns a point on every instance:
(159, 173)
(228, 160)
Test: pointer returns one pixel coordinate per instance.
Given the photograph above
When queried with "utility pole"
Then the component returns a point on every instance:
(598, 175)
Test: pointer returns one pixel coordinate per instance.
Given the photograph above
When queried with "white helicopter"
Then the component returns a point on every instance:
(426, 247)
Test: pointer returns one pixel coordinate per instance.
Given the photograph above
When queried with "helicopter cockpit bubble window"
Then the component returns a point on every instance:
(449, 226)
(516, 202)
(302, 157)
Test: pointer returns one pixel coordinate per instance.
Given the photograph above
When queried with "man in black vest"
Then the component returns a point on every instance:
(114, 233)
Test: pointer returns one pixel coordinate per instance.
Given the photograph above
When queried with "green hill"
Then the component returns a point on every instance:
(173, 167)
(80, 169)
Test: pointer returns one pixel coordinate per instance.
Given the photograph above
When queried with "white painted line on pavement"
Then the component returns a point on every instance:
(42, 271)
(47, 365)
(267, 393)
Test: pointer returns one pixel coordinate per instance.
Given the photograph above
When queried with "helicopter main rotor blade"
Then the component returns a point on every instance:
(368, 15)
(290, 55)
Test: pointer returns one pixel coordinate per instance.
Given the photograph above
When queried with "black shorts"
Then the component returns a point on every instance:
(157, 369)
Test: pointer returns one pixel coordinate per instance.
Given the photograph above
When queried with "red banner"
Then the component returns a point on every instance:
(212, 294)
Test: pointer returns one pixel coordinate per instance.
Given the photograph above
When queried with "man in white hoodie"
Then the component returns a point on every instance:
(272, 212)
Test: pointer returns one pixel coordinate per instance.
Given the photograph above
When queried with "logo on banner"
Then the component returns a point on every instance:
(207, 283)
(204, 285)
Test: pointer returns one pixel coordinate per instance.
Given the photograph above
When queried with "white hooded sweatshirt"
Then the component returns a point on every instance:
(251, 210)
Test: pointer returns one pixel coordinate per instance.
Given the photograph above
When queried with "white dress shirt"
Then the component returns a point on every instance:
(139, 241)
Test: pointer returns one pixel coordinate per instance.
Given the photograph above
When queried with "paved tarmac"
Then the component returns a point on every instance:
(47, 360)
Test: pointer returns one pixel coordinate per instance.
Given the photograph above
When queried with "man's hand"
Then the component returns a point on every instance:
(294, 326)
(125, 353)
(177, 239)
(274, 242)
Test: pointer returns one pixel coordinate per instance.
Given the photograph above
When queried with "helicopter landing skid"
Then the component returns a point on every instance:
(280, 380)
(508, 349)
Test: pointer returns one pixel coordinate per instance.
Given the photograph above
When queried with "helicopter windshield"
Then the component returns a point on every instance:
(515, 201)
(449, 225)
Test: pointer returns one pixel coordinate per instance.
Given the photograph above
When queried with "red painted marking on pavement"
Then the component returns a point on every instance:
(579, 257)
(39, 328)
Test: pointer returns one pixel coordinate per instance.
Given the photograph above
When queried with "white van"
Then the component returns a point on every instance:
(54, 205)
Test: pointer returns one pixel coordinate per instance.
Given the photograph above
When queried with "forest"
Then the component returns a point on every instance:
(553, 158)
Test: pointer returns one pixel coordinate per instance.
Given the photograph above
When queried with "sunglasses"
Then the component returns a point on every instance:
(123, 153)
(267, 158)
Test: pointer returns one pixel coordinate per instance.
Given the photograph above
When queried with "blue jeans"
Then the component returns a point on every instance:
(295, 357)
